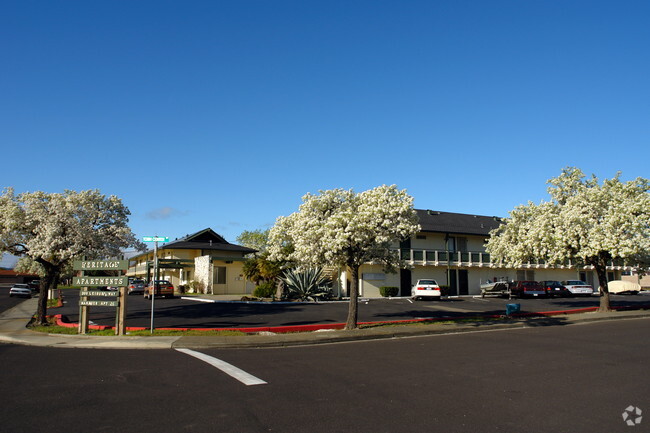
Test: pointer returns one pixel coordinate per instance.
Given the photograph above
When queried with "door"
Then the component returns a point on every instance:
(453, 282)
(463, 282)
(405, 282)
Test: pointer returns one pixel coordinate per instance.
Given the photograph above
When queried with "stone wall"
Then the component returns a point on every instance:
(203, 272)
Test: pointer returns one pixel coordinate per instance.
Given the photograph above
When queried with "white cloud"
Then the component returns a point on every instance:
(164, 213)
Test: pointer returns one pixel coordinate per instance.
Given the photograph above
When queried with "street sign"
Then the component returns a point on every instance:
(99, 293)
(100, 281)
(155, 238)
(100, 265)
(99, 303)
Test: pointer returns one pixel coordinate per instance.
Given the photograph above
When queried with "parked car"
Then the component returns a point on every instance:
(499, 288)
(135, 287)
(577, 287)
(625, 287)
(20, 290)
(35, 285)
(522, 289)
(426, 289)
(555, 288)
(162, 288)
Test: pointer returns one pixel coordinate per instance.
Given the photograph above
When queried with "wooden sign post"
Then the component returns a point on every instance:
(118, 297)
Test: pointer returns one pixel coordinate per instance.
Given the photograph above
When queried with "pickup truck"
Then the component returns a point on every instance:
(426, 289)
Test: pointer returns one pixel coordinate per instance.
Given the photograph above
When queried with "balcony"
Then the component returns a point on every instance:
(439, 257)
(482, 259)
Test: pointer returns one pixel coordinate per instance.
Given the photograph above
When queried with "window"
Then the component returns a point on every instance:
(456, 243)
(219, 275)
(525, 275)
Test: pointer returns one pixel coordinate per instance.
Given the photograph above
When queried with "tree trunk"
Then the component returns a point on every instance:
(49, 281)
(601, 270)
(353, 308)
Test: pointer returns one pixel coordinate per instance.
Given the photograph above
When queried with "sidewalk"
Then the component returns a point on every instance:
(13, 331)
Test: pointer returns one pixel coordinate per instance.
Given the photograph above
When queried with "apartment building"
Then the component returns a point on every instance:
(450, 248)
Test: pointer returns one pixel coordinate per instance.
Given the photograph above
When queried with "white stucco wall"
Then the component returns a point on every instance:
(202, 272)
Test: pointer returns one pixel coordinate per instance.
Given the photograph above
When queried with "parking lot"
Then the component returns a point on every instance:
(193, 313)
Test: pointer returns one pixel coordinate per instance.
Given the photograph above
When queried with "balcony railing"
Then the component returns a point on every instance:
(483, 259)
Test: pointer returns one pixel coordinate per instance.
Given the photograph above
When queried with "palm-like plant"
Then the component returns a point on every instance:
(307, 284)
(260, 269)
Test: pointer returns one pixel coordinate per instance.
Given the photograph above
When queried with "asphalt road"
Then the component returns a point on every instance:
(7, 302)
(577, 378)
(180, 313)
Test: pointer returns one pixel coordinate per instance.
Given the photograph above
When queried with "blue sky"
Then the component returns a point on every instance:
(224, 114)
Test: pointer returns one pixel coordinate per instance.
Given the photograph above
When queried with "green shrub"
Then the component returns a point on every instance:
(307, 285)
(195, 287)
(388, 291)
(266, 289)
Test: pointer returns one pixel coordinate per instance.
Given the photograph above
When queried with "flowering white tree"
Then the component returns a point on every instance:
(345, 229)
(52, 229)
(584, 221)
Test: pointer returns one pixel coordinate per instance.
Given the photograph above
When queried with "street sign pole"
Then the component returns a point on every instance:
(155, 240)
(155, 278)
(121, 312)
(83, 313)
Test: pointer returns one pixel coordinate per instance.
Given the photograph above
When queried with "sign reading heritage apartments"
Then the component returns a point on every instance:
(100, 265)
(100, 281)
(118, 301)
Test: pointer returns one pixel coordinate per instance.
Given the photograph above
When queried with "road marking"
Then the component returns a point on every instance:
(229, 369)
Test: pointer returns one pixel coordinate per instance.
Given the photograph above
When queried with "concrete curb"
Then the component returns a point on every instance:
(13, 330)
(398, 331)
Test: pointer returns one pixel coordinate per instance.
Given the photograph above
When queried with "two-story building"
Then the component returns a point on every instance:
(205, 257)
(450, 248)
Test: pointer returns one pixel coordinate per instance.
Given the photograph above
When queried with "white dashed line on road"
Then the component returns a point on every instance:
(229, 369)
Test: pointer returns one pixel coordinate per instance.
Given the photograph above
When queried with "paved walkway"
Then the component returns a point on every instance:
(13, 330)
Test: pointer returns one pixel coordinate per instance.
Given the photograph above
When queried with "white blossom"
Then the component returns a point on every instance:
(52, 229)
(584, 221)
(342, 228)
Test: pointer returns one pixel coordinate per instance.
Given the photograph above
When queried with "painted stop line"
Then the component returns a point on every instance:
(229, 369)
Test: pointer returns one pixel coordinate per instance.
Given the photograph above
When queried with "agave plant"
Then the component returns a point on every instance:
(307, 284)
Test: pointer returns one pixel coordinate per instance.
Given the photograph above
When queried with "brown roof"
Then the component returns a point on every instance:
(457, 223)
(13, 273)
(206, 239)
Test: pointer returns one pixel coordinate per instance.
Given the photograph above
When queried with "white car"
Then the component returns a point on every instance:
(577, 287)
(20, 290)
(426, 289)
(619, 286)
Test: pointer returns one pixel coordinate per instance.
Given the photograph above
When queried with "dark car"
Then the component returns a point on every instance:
(162, 288)
(555, 288)
(522, 289)
(135, 287)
